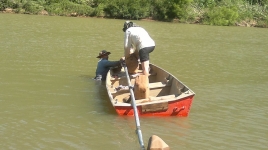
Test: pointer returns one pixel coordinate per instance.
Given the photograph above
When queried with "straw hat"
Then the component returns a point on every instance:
(103, 53)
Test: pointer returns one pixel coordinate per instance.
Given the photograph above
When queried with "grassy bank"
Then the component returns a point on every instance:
(250, 13)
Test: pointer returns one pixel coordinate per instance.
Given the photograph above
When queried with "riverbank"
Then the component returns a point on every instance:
(196, 14)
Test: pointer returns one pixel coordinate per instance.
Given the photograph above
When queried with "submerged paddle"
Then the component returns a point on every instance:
(138, 127)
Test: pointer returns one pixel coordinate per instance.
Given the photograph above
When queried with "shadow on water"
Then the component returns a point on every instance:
(87, 77)
(99, 95)
(104, 98)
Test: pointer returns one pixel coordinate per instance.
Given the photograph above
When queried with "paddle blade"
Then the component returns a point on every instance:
(156, 143)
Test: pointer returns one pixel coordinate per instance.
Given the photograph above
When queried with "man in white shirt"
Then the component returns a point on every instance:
(138, 39)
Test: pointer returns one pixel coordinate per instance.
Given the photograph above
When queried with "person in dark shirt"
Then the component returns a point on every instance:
(104, 65)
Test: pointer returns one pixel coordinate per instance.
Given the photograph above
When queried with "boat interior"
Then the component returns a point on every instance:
(163, 86)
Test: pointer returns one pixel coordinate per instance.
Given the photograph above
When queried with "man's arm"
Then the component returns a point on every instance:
(128, 45)
(112, 63)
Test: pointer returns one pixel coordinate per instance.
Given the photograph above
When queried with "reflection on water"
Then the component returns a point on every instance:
(102, 96)
(48, 99)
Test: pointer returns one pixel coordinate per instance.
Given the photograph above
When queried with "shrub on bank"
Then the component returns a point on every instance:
(67, 8)
(168, 10)
(212, 12)
(32, 7)
(127, 9)
(221, 16)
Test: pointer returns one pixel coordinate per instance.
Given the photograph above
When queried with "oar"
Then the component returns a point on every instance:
(138, 127)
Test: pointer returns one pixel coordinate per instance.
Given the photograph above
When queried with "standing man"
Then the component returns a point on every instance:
(104, 65)
(138, 39)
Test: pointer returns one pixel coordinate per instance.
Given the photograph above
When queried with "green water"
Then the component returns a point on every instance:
(48, 99)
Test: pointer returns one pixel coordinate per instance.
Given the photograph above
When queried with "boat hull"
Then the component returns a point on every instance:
(180, 108)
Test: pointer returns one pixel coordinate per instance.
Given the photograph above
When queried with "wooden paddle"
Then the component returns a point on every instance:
(155, 142)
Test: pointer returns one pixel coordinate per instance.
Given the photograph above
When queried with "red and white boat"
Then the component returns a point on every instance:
(168, 95)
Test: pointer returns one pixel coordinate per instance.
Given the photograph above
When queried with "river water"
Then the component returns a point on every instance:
(48, 99)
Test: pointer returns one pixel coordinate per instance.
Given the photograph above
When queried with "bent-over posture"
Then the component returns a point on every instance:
(138, 39)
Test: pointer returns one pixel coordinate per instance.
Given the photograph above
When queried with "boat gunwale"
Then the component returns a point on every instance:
(173, 77)
(151, 102)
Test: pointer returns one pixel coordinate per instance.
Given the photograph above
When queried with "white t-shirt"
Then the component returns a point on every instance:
(137, 38)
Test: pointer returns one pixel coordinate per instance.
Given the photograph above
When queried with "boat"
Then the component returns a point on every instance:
(168, 96)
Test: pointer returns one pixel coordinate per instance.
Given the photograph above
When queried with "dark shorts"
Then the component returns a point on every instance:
(144, 53)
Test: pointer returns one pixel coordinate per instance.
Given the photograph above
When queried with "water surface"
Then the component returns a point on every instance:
(48, 99)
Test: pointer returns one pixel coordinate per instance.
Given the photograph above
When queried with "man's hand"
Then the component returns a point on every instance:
(122, 59)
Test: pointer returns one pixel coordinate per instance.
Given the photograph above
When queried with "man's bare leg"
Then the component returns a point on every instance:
(145, 67)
